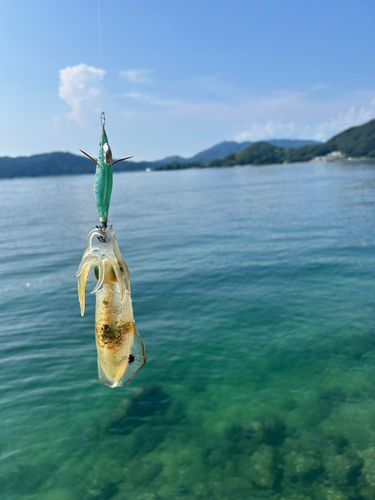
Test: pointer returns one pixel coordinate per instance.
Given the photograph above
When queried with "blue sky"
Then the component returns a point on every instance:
(181, 76)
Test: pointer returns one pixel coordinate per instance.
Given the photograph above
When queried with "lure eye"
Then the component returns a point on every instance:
(107, 154)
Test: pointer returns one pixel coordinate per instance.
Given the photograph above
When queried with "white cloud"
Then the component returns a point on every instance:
(282, 114)
(298, 116)
(80, 89)
(345, 119)
(320, 86)
(137, 75)
(220, 85)
(268, 130)
(180, 109)
(155, 101)
(128, 114)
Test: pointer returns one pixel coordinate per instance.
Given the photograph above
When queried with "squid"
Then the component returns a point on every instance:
(120, 350)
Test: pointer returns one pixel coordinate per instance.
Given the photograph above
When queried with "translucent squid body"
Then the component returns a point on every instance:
(121, 352)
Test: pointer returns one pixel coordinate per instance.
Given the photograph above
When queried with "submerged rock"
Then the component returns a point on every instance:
(331, 493)
(368, 471)
(296, 463)
(143, 472)
(327, 402)
(26, 479)
(152, 401)
(55, 494)
(289, 405)
(295, 497)
(107, 492)
(260, 467)
(148, 496)
(303, 468)
(343, 469)
(274, 432)
(366, 492)
(237, 444)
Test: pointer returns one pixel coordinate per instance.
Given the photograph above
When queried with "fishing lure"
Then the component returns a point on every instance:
(120, 349)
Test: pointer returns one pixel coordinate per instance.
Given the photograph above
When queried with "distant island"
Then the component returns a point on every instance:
(355, 142)
(68, 164)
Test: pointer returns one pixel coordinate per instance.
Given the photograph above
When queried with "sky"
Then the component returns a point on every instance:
(179, 76)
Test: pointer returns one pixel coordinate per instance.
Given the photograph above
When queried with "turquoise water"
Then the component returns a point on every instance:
(253, 291)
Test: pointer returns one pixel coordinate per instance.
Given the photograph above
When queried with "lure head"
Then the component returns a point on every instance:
(107, 153)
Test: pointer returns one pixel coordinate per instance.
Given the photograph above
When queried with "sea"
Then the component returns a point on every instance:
(253, 290)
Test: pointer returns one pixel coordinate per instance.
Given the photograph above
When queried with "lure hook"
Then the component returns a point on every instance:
(102, 229)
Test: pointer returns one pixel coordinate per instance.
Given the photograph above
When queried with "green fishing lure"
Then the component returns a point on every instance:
(103, 176)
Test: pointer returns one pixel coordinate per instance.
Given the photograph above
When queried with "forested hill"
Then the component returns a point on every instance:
(354, 142)
(225, 148)
(69, 164)
(259, 153)
(57, 164)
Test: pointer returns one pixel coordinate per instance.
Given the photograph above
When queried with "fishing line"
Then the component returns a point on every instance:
(101, 57)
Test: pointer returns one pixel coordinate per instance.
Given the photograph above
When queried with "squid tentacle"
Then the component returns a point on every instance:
(82, 280)
(119, 258)
(94, 250)
(90, 236)
(119, 277)
(101, 265)
(90, 259)
(125, 274)
(123, 266)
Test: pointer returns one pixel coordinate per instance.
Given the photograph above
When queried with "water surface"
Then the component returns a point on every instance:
(253, 290)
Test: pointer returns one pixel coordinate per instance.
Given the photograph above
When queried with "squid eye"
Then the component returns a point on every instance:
(96, 272)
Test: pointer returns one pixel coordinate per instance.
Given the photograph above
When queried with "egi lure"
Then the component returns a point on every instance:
(120, 349)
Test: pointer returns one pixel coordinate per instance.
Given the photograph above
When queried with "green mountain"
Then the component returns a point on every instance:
(259, 153)
(292, 143)
(355, 142)
(219, 151)
(169, 159)
(225, 148)
(57, 164)
(69, 164)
